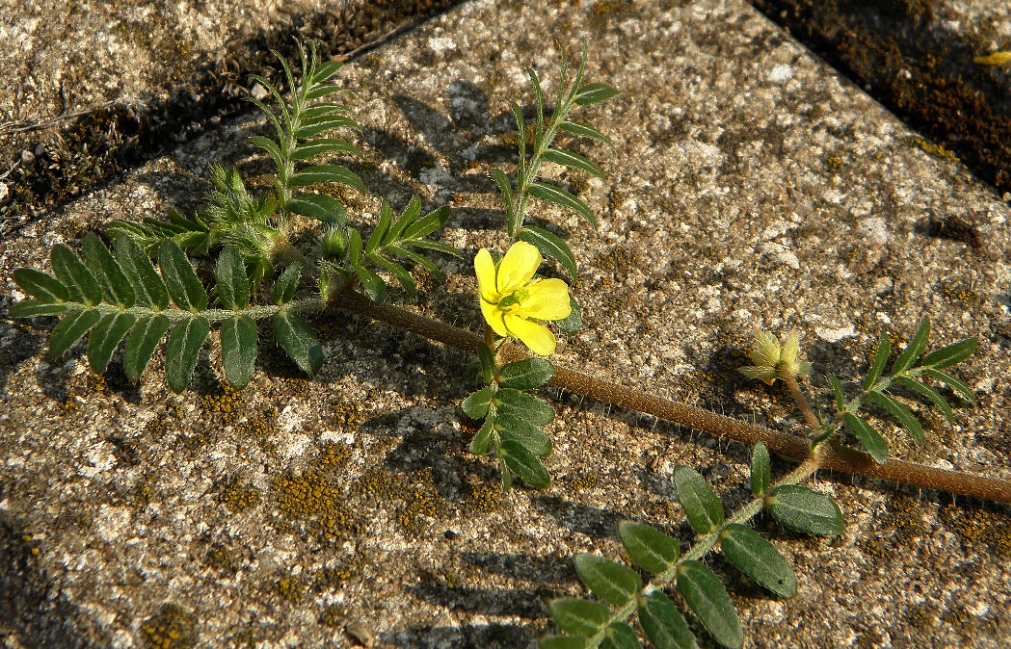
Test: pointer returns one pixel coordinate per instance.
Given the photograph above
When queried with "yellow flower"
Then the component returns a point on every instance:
(512, 301)
(770, 357)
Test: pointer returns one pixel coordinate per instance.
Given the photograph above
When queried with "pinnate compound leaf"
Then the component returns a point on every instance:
(551, 246)
(511, 427)
(707, 598)
(481, 443)
(958, 386)
(573, 161)
(950, 354)
(619, 635)
(525, 406)
(115, 286)
(878, 362)
(761, 469)
(181, 279)
(900, 412)
(183, 349)
(148, 286)
(930, 394)
(559, 196)
(233, 285)
(141, 345)
(594, 93)
(703, 509)
(105, 337)
(608, 580)
(757, 558)
(805, 510)
(526, 374)
(75, 276)
(238, 349)
(43, 287)
(524, 464)
(71, 329)
(663, 623)
(299, 342)
(912, 351)
(562, 642)
(869, 438)
(579, 616)
(287, 284)
(476, 405)
(649, 548)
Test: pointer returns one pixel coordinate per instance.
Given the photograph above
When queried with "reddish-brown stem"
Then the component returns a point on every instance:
(830, 455)
(798, 396)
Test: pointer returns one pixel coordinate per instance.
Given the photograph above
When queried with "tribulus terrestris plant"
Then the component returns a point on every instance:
(146, 288)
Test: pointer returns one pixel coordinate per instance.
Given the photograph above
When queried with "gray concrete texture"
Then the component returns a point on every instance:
(748, 187)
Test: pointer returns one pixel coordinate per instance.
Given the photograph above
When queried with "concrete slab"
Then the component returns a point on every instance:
(748, 187)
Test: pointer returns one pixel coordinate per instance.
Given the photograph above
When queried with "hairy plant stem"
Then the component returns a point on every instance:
(829, 455)
(798, 396)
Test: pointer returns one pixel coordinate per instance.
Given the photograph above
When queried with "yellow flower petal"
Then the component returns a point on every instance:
(494, 317)
(484, 268)
(517, 267)
(547, 299)
(537, 337)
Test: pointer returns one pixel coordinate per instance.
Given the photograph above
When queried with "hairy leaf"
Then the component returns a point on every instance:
(184, 343)
(870, 439)
(398, 271)
(551, 246)
(608, 580)
(526, 374)
(504, 186)
(708, 600)
(75, 276)
(559, 196)
(804, 510)
(317, 174)
(524, 464)
(663, 623)
(481, 443)
(148, 286)
(181, 279)
(525, 406)
(511, 427)
(878, 362)
(143, 342)
(649, 548)
(295, 336)
(583, 130)
(703, 509)
(238, 349)
(233, 285)
(32, 308)
(372, 284)
(573, 161)
(105, 337)
(287, 284)
(321, 207)
(476, 405)
(950, 354)
(758, 559)
(71, 329)
(574, 322)
(840, 395)
(761, 469)
(45, 288)
(115, 286)
(427, 224)
(958, 386)
(594, 93)
(900, 412)
(619, 635)
(314, 148)
(912, 351)
(929, 393)
(579, 616)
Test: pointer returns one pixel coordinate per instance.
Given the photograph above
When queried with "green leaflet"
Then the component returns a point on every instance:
(708, 600)
(878, 362)
(551, 246)
(912, 351)
(299, 341)
(610, 581)
(183, 349)
(476, 405)
(148, 286)
(510, 427)
(526, 374)
(761, 469)
(233, 285)
(81, 285)
(663, 623)
(317, 174)
(481, 443)
(579, 616)
(105, 337)
(900, 412)
(524, 406)
(594, 93)
(959, 387)
(703, 509)
(559, 196)
(238, 350)
(287, 284)
(71, 329)
(870, 439)
(583, 130)
(181, 279)
(320, 207)
(930, 394)
(950, 354)
(116, 288)
(43, 287)
(619, 635)
(649, 548)
(804, 510)
(758, 559)
(143, 341)
(573, 161)
(524, 464)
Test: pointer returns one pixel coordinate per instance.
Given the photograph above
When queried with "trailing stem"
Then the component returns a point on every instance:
(830, 454)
